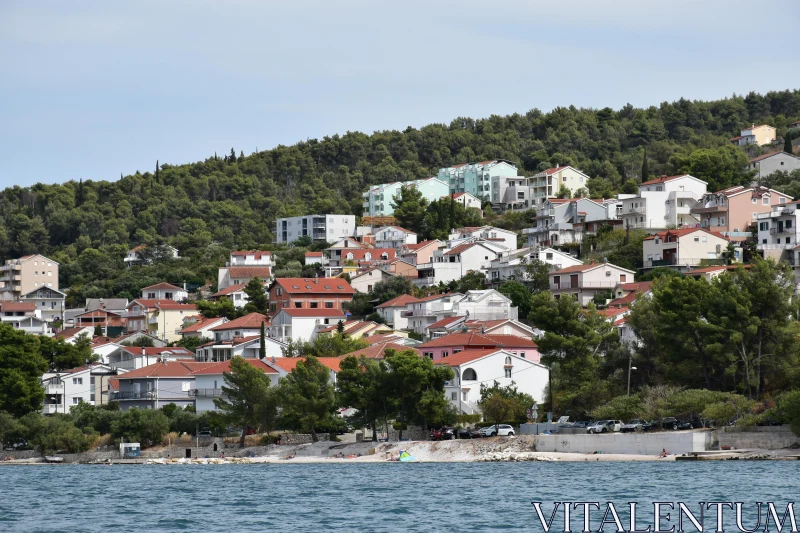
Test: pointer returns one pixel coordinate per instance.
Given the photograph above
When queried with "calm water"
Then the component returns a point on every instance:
(392, 497)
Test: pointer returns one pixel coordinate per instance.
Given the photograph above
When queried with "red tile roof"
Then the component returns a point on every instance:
(172, 351)
(201, 324)
(553, 170)
(611, 311)
(446, 322)
(225, 366)
(229, 290)
(398, 301)
(249, 321)
(460, 248)
(313, 254)
(638, 286)
(433, 297)
(705, 270)
(467, 356)
(359, 254)
(163, 286)
(662, 179)
(315, 286)
(415, 247)
(322, 313)
(257, 253)
(171, 369)
(477, 339)
(577, 268)
(288, 364)
(70, 332)
(378, 351)
(18, 306)
(241, 272)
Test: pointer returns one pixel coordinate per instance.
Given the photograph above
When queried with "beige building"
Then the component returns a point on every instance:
(733, 210)
(582, 282)
(759, 135)
(160, 318)
(685, 249)
(547, 183)
(26, 274)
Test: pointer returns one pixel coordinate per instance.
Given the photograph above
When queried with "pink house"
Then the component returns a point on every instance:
(733, 210)
(448, 345)
(419, 254)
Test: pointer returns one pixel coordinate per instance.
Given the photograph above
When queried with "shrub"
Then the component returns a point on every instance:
(101, 440)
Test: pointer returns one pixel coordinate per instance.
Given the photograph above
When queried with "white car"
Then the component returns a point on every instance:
(504, 430)
(604, 426)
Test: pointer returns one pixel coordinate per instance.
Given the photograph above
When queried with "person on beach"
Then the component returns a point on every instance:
(663, 452)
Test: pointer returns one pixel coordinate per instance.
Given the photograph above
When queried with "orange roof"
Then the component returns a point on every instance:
(359, 254)
(467, 356)
(164, 350)
(662, 179)
(461, 248)
(323, 313)
(398, 301)
(288, 364)
(163, 286)
(638, 286)
(18, 306)
(705, 270)
(435, 297)
(415, 247)
(225, 366)
(578, 268)
(171, 369)
(378, 351)
(315, 286)
(249, 321)
(200, 324)
(553, 170)
(477, 339)
(313, 254)
(257, 253)
(229, 290)
(261, 272)
(70, 332)
(446, 322)
(609, 312)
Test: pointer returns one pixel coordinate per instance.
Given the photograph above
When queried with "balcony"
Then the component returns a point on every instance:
(789, 246)
(206, 393)
(52, 408)
(133, 395)
(566, 285)
(153, 319)
(684, 262)
(637, 210)
(709, 209)
(54, 388)
(127, 364)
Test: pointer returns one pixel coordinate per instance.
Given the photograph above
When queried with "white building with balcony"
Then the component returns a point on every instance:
(426, 311)
(320, 228)
(476, 178)
(582, 282)
(455, 263)
(547, 183)
(86, 384)
(778, 234)
(685, 249)
(208, 382)
(664, 202)
(511, 193)
(394, 237)
(302, 325)
(485, 305)
(562, 221)
(506, 238)
(512, 265)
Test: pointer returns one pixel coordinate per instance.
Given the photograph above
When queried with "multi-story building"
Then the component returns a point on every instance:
(321, 228)
(160, 318)
(419, 253)
(512, 265)
(26, 274)
(49, 302)
(778, 234)
(455, 263)
(447, 345)
(759, 135)
(466, 199)
(505, 238)
(394, 237)
(157, 385)
(582, 282)
(562, 221)
(302, 325)
(108, 322)
(487, 304)
(208, 382)
(378, 201)
(733, 211)
(309, 293)
(511, 193)
(767, 164)
(476, 178)
(663, 202)
(244, 266)
(395, 312)
(66, 389)
(685, 249)
(135, 357)
(424, 312)
(547, 183)
(165, 291)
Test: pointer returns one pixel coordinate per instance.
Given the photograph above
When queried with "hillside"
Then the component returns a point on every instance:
(206, 208)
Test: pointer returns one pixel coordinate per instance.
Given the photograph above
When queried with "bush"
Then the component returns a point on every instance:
(145, 426)
(101, 440)
(788, 409)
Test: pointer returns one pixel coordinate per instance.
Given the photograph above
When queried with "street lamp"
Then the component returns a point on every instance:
(629, 376)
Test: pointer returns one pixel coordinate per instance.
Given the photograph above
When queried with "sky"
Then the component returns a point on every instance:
(90, 89)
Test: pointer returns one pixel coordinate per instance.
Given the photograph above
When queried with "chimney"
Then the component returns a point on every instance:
(558, 165)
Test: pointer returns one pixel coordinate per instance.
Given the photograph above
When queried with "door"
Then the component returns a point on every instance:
(573, 281)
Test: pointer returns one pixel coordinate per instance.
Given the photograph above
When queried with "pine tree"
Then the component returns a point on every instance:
(787, 142)
(645, 169)
(156, 169)
(232, 157)
(262, 350)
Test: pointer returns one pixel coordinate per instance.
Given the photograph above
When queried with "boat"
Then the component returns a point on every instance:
(53, 459)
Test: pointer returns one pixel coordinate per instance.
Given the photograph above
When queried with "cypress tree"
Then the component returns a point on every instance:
(262, 350)
(645, 170)
(787, 142)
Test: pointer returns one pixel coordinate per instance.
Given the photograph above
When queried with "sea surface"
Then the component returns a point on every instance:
(378, 497)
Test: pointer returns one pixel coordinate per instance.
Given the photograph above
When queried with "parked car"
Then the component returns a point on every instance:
(475, 433)
(436, 434)
(580, 424)
(464, 433)
(502, 430)
(634, 425)
(669, 422)
(20, 444)
(605, 426)
(447, 433)
(204, 434)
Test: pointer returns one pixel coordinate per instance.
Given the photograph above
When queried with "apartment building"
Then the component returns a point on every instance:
(511, 193)
(732, 211)
(165, 291)
(512, 265)
(476, 178)
(507, 239)
(393, 237)
(547, 183)
(684, 249)
(243, 266)
(455, 263)
(758, 135)
(378, 201)
(468, 200)
(562, 221)
(324, 228)
(767, 164)
(582, 282)
(663, 202)
(159, 318)
(48, 301)
(26, 274)
(419, 253)
(309, 293)
(66, 389)
(778, 233)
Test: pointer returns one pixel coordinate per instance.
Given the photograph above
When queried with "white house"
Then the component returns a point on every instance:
(134, 357)
(467, 200)
(562, 221)
(246, 326)
(165, 291)
(314, 258)
(684, 248)
(759, 135)
(485, 305)
(65, 389)
(455, 263)
(235, 293)
(513, 264)
(48, 301)
(245, 347)
(664, 202)
(774, 162)
(302, 325)
(208, 382)
(394, 237)
(140, 255)
(320, 228)
(582, 282)
(547, 183)
(364, 281)
(507, 239)
(475, 367)
(455, 324)
(73, 335)
(395, 312)
(426, 311)
(200, 327)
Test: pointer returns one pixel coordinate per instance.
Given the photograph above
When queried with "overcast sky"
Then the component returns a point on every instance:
(94, 88)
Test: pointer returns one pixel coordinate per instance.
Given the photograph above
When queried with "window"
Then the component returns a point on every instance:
(76, 400)
(721, 221)
(445, 354)
(168, 295)
(77, 381)
(508, 360)
(564, 179)
(454, 396)
(788, 223)
(50, 273)
(765, 201)
(429, 355)
(549, 255)
(298, 305)
(763, 226)
(522, 354)
(781, 200)
(788, 240)
(185, 386)
(314, 305)
(508, 372)
(622, 278)
(705, 239)
(151, 295)
(755, 200)
(697, 239)
(328, 305)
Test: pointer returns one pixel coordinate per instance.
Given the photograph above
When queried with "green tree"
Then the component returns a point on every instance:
(789, 406)
(787, 142)
(61, 355)
(720, 167)
(54, 433)
(519, 294)
(332, 344)
(146, 426)
(256, 297)
(645, 167)
(536, 275)
(361, 385)
(619, 408)
(223, 307)
(262, 347)
(21, 369)
(503, 403)
(247, 400)
(410, 208)
(307, 396)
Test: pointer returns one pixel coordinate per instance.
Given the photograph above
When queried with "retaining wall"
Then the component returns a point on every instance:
(675, 442)
(766, 437)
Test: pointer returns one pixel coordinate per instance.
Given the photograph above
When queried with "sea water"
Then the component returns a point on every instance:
(377, 497)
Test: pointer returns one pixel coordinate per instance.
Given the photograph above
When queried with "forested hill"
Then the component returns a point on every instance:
(233, 200)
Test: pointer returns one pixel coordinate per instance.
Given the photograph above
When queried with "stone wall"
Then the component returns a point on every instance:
(675, 442)
(767, 437)
(294, 439)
